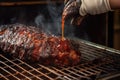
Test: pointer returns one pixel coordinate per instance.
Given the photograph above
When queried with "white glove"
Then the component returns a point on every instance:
(94, 7)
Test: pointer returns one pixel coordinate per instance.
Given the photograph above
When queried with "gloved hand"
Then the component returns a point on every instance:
(71, 11)
(75, 8)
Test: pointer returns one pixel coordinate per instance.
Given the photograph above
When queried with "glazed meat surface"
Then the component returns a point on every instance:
(30, 44)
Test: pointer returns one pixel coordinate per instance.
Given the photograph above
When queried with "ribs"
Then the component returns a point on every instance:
(29, 43)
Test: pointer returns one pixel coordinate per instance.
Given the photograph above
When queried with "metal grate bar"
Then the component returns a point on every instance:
(16, 72)
(85, 72)
(65, 74)
(20, 67)
(3, 76)
(11, 65)
(75, 73)
(90, 71)
(49, 70)
(106, 69)
(9, 73)
(35, 70)
(90, 53)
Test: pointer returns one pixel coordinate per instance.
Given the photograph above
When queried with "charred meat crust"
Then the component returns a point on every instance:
(31, 44)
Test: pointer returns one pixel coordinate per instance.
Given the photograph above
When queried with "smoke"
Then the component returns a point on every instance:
(51, 22)
(46, 16)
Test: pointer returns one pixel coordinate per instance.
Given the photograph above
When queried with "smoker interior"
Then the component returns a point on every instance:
(97, 62)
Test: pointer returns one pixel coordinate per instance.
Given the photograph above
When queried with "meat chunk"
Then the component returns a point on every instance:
(29, 43)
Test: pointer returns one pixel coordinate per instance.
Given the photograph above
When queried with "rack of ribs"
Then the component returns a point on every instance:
(31, 44)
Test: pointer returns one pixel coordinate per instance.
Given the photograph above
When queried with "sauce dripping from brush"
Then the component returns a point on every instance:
(63, 25)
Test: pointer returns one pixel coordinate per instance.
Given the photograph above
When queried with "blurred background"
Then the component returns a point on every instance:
(102, 29)
(117, 29)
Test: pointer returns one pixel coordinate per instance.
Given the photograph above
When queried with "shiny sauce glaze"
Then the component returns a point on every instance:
(63, 26)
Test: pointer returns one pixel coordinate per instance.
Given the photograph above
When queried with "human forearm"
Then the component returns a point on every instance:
(94, 7)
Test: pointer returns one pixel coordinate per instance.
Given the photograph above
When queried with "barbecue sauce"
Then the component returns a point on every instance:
(63, 25)
(63, 45)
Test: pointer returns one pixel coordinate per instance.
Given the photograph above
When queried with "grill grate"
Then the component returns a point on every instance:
(94, 63)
